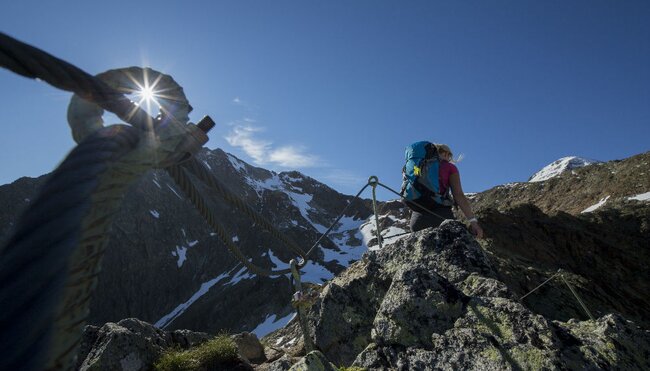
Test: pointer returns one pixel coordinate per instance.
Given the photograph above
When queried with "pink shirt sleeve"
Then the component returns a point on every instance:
(446, 169)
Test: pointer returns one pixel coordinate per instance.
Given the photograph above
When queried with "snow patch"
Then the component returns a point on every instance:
(368, 232)
(288, 178)
(156, 183)
(154, 213)
(242, 274)
(181, 253)
(314, 272)
(559, 166)
(236, 163)
(392, 231)
(276, 261)
(349, 241)
(271, 323)
(272, 183)
(207, 165)
(595, 206)
(235, 239)
(301, 201)
(640, 197)
(171, 316)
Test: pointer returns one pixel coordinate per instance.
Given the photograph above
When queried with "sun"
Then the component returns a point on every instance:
(145, 91)
(147, 94)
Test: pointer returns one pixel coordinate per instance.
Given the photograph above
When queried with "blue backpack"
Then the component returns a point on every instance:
(420, 178)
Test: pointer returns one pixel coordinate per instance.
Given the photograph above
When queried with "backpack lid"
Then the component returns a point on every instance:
(420, 150)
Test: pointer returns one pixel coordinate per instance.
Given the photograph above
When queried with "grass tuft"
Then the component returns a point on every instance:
(219, 351)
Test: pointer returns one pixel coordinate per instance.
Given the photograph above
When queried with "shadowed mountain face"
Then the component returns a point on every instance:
(592, 222)
(164, 265)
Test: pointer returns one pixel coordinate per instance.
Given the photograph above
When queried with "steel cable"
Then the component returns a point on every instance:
(209, 179)
(177, 172)
(336, 221)
(34, 263)
(34, 63)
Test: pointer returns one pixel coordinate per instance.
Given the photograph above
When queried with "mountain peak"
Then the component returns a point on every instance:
(559, 166)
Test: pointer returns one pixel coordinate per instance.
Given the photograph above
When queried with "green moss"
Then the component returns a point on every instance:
(607, 350)
(531, 358)
(493, 322)
(492, 354)
(211, 354)
(472, 281)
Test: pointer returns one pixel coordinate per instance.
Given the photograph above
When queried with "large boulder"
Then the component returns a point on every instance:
(130, 344)
(433, 301)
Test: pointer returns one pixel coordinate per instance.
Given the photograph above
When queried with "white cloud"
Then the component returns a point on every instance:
(246, 136)
(344, 178)
(237, 101)
(243, 136)
(290, 156)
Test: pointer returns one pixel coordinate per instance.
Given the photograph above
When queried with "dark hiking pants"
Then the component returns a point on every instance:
(423, 220)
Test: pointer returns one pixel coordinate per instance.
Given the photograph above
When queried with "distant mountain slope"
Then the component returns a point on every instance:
(559, 166)
(576, 190)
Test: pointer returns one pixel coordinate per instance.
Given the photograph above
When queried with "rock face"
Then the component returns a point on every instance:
(604, 254)
(433, 301)
(134, 345)
(430, 301)
(130, 344)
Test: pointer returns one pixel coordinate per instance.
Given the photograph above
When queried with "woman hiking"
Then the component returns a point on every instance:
(421, 178)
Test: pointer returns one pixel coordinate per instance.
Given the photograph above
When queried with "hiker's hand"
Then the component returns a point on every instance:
(476, 229)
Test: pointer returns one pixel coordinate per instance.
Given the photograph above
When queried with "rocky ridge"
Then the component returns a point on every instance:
(434, 301)
(576, 190)
(378, 313)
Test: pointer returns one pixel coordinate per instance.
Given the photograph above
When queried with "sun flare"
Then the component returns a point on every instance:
(147, 94)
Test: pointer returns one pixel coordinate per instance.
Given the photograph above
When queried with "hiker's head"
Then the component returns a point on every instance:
(445, 152)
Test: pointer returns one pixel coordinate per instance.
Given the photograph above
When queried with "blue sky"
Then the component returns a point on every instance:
(337, 89)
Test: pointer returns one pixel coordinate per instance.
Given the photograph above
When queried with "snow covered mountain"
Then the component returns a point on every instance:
(559, 166)
(166, 266)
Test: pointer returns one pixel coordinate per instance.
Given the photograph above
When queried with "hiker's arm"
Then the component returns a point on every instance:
(463, 203)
